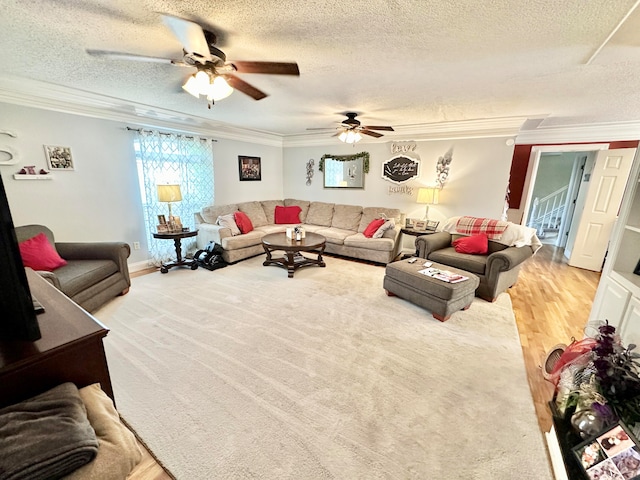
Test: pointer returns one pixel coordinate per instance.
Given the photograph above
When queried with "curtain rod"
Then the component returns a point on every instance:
(140, 130)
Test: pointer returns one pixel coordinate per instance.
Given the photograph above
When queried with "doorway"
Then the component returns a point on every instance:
(555, 188)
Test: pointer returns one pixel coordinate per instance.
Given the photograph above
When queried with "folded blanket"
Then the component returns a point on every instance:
(46, 436)
(512, 235)
(473, 226)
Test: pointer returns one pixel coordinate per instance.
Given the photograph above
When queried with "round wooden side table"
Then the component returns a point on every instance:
(177, 239)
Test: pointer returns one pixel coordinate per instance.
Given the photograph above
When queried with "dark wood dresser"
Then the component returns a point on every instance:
(70, 350)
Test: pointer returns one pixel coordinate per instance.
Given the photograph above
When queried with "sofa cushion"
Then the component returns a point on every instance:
(371, 213)
(358, 240)
(474, 244)
(268, 206)
(320, 213)
(334, 235)
(373, 227)
(39, 254)
(243, 241)
(211, 213)
(388, 225)
(229, 222)
(78, 275)
(243, 221)
(463, 261)
(287, 214)
(303, 204)
(346, 217)
(255, 212)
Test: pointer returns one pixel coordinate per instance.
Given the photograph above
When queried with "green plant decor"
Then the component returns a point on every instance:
(347, 158)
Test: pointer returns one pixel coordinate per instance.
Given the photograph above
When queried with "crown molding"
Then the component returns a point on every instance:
(31, 93)
(464, 129)
(36, 94)
(595, 132)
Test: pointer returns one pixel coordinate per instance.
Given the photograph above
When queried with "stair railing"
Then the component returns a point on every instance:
(547, 212)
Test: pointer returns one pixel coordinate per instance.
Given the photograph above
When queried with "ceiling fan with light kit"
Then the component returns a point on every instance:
(351, 130)
(214, 77)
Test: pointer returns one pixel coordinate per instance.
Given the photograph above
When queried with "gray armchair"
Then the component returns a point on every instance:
(94, 273)
(497, 270)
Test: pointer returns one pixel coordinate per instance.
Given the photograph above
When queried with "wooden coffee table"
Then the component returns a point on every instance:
(293, 259)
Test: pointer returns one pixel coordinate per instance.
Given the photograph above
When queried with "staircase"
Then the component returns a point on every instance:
(547, 212)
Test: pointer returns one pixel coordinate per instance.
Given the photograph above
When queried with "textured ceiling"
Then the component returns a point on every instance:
(396, 62)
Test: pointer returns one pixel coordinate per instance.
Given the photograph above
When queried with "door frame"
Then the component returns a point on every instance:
(534, 162)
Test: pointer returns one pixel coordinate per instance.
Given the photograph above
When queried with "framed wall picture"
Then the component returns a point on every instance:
(59, 158)
(249, 168)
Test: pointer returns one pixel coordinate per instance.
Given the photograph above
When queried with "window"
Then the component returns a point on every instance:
(168, 158)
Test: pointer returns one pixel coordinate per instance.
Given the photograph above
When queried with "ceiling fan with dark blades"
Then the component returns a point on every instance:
(350, 129)
(215, 77)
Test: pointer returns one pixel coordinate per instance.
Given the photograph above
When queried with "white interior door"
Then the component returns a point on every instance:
(604, 195)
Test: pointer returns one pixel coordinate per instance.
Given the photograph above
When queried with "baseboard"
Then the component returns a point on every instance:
(139, 266)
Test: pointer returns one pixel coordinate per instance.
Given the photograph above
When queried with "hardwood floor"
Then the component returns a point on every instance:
(551, 302)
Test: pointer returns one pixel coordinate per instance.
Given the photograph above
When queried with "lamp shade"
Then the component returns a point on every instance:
(428, 195)
(169, 193)
(349, 136)
(218, 89)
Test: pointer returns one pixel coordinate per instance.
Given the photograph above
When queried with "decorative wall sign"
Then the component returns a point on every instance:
(59, 158)
(249, 169)
(8, 155)
(401, 190)
(400, 169)
(408, 148)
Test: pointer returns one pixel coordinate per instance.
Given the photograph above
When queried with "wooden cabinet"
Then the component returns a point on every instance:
(70, 350)
(618, 296)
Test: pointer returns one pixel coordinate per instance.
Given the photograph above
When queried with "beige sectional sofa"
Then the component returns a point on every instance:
(341, 225)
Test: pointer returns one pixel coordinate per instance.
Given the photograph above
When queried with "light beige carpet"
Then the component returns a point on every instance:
(245, 373)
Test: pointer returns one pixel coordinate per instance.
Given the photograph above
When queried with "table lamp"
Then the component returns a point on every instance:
(427, 196)
(168, 194)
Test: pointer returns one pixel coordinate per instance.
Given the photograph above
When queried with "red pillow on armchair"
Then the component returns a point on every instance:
(475, 244)
(38, 253)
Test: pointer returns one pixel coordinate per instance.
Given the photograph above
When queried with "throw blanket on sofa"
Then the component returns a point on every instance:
(513, 235)
(46, 436)
(473, 226)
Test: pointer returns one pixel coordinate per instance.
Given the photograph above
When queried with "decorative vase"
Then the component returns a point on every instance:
(587, 422)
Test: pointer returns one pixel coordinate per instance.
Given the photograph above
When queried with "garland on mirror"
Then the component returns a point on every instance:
(347, 158)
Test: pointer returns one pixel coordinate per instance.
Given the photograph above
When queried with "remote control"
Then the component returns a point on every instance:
(412, 260)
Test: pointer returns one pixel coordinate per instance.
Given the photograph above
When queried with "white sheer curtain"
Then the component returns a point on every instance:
(176, 159)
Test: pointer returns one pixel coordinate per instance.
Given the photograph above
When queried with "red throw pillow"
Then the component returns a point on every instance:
(243, 222)
(39, 254)
(475, 244)
(373, 227)
(287, 214)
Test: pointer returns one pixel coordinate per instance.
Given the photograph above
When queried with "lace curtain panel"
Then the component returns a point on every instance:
(172, 159)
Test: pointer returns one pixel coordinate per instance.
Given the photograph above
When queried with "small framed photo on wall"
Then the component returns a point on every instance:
(249, 168)
(59, 158)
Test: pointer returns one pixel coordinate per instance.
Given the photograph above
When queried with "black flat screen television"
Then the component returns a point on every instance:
(17, 315)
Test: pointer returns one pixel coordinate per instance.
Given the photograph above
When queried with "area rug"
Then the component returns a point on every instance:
(245, 373)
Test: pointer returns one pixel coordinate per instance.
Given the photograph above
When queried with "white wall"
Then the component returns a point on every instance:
(229, 188)
(478, 178)
(100, 200)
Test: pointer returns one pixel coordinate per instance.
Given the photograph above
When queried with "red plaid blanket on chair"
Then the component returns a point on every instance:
(473, 226)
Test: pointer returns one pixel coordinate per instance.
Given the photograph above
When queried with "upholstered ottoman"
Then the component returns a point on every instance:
(441, 298)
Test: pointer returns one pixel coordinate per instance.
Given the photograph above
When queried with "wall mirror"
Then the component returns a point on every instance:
(344, 171)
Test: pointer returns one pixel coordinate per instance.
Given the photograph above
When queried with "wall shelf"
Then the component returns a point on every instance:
(25, 176)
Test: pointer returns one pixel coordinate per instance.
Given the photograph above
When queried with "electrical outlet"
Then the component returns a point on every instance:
(136, 245)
